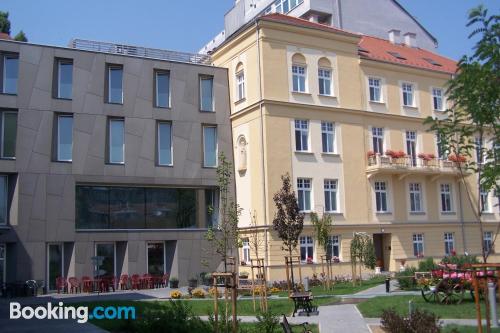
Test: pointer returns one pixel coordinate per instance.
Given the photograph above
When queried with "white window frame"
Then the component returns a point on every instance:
(485, 201)
(381, 190)
(449, 238)
(299, 71)
(240, 85)
(334, 241)
(2, 136)
(305, 185)
(331, 189)
(445, 190)
(488, 241)
(416, 192)
(409, 93)
(307, 242)
(372, 85)
(302, 126)
(411, 137)
(59, 63)
(216, 146)
(437, 96)
(246, 250)
(328, 132)
(171, 143)
(147, 256)
(378, 134)
(325, 81)
(157, 102)
(111, 120)
(59, 116)
(419, 242)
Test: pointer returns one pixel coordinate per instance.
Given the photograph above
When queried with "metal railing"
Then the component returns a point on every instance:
(139, 51)
(409, 162)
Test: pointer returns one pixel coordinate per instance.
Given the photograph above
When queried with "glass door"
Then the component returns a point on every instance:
(55, 264)
(156, 259)
(107, 251)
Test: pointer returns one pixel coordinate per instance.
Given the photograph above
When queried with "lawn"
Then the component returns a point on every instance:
(466, 329)
(199, 308)
(344, 288)
(372, 308)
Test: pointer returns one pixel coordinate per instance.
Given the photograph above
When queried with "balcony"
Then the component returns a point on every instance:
(406, 166)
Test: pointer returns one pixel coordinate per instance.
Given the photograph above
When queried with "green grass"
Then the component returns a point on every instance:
(199, 308)
(467, 329)
(251, 327)
(344, 288)
(372, 308)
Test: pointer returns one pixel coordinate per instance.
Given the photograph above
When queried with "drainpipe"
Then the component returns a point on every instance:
(264, 180)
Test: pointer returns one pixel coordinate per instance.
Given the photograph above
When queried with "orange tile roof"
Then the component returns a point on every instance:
(377, 49)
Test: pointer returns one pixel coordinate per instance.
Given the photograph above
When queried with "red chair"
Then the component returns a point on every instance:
(114, 282)
(136, 281)
(61, 284)
(164, 280)
(87, 284)
(124, 282)
(74, 285)
(147, 281)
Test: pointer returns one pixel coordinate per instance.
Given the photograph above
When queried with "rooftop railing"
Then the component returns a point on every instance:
(139, 51)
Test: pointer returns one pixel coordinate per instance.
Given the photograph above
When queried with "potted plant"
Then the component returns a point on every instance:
(310, 260)
(193, 282)
(174, 282)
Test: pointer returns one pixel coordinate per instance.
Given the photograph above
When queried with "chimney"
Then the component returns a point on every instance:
(410, 39)
(394, 36)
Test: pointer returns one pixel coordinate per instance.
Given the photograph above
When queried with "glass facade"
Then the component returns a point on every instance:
(107, 251)
(105, 207)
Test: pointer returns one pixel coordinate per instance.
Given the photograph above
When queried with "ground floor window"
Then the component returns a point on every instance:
(333, 249)
(3, 264)
(488, 241)
(449, 243)
(418, 245)
(55, 264)
(107, 252)
(156, 258)
(306, 249)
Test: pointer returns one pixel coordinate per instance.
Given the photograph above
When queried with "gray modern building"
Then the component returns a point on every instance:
(108, 150)
(377, 18)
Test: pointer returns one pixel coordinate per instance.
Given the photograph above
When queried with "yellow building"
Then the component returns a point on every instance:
(328, 107)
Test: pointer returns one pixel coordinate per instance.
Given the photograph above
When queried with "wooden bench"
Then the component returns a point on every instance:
(287, 327)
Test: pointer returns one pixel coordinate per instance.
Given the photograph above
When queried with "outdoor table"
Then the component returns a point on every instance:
(302, 300)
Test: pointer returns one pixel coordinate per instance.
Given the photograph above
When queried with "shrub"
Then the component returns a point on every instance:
(267, 322)
(418, 322)
(175, 294)
(211, 291)
(459, 260)
(274, 290)
(426, 265)
(406, 278)
(174, 317)
(198, 293)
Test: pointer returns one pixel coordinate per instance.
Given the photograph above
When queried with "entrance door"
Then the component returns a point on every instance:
(55, 263)
(107, 251)
(156, 259)
(378, 243)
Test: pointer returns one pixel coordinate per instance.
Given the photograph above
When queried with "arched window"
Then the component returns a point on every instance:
(242, 153)
(325, 77)
(299, 73)
(240, 82)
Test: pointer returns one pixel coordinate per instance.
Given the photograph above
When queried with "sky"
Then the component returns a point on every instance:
(188, 25)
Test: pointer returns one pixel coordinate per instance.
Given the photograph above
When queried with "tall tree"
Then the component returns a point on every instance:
(4, 22)
(224, 236)
(288, 221)
(472, 124)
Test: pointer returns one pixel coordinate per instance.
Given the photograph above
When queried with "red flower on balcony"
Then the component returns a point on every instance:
(370, 153)
(457, 158)
(426, 157)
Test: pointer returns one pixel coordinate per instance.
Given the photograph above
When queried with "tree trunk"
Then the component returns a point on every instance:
(291, 267)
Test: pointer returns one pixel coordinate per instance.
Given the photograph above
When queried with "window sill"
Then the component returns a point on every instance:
(63, 162)
(8, 94)
(63, 99)
(331, 154)
(301, 93)
(487, 213)
(162, 107)
(411, 107)
(418, 213)
(305, 211)
(205, 111)
(304, 152)
(327, 96)
(377, 102)
(8, 158)
(448, 213)
(336, 213)
(439, 111)
(165, 165)
(209, 167)
(116, 164)
(114, 103)
(240, 101)
(383, 213)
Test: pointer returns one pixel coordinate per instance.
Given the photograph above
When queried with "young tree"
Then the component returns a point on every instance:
(472, 124)
(21, 37)
(256, 241)
(323, 228)
(362, 253)
(224, 238)
(288, 221)
(4, 22)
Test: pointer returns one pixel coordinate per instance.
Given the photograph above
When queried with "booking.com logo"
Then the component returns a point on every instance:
(81, 313)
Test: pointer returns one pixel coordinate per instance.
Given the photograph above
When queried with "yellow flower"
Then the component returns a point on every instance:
(176, 294)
